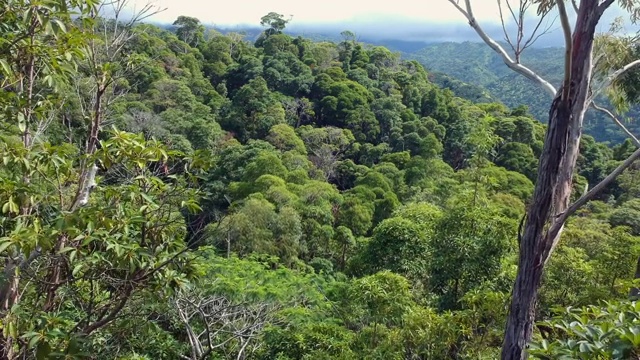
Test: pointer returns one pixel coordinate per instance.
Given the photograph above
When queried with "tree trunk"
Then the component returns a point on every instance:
(634, 293)
(554, 183)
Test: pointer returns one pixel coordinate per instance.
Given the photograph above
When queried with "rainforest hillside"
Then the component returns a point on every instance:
(476, 64)
(188, 194)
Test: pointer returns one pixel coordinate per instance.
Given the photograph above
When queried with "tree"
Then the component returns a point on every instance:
(78, 241)
(326, 146)
(585, 333)
(189, 30)
(284, 138)
(398, 245)
(30, 74)
(274, 23)
(550, 206)
(254, 111)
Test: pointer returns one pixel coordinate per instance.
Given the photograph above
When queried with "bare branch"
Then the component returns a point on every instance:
(537, 34)
(566, 29)
(222, 321)
(616, 74)
(514, 65)
(618, 122)
(504, 27)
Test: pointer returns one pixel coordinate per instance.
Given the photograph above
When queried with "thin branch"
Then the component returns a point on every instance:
(515, 66)
(513, 15)
(618, 122)
(535, 35)
(504, 28)
(112, 315)
(616, 74)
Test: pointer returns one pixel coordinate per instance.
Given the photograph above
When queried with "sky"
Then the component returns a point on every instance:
(409, 20)
(323, 12)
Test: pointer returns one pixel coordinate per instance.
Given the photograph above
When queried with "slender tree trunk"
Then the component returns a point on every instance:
(634, 293)
(554, 183)
(85, 185)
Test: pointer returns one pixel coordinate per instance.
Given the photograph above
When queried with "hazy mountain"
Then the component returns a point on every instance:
(476, 64)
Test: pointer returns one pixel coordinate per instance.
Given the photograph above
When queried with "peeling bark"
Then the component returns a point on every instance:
(545, 219)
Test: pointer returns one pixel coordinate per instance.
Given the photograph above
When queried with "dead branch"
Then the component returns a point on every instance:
(213, 322)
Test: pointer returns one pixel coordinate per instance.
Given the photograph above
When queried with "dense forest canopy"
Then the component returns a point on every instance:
(473, 71)
(188, 194)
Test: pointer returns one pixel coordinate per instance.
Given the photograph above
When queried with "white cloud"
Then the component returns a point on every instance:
(411, 20)
(327, 11)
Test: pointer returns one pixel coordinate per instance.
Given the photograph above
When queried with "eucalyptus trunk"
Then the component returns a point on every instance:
(554, 182)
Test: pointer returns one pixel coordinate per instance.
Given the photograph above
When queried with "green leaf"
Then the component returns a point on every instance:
(4, 246)
(22, 124)
(73, 347)
(60, 25)
(68, 248)
(11, 329)
(35, 337)
(76, 269)
(43, 350)
(5, 66)
(147, 198)
(585, 348)
(13, 207)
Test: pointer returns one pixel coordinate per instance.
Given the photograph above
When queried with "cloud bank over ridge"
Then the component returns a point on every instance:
(399, 20)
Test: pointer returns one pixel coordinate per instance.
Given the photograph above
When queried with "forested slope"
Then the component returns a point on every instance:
(476, 64)
(283, 199)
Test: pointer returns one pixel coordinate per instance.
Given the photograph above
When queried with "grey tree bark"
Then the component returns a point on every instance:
(550, 205)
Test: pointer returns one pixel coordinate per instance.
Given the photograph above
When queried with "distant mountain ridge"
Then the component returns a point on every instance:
(252, 33)
(476, 64)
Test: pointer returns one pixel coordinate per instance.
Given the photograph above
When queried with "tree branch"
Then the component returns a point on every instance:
(112, 315)
(575, 5)
(504, 28)
(602, 7)
(616, 74)
(618, 122)
(513, 65)
(559, 223)
(566, 29)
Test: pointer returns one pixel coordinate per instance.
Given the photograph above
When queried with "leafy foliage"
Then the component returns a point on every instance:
(190, 194)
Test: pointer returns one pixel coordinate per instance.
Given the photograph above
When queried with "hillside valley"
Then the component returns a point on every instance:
(476, 64)
(474, 72)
